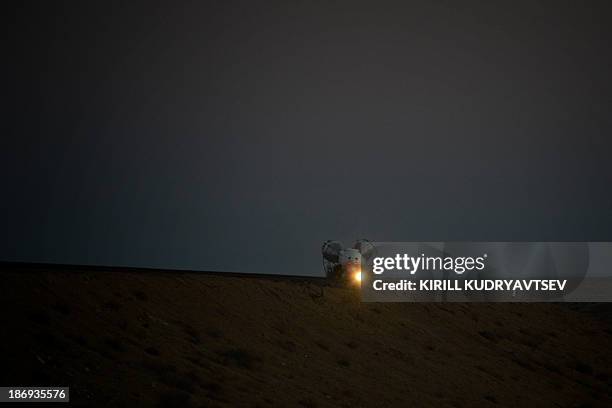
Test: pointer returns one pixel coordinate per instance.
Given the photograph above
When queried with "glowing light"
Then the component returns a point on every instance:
(357, 276)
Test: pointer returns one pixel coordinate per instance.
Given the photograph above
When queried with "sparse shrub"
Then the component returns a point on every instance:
(111, 305)
(344, 362)
(214, 333)
(39, 317)
(307, 403)
(521, 360)
(114, 344)
(322, 345)
(140, 295)
(491, 398)
(376, 310)
(488, 335)
(152, 351)
(582, 367)
(48, 341)
(194, 335)
(351, 344)
(174, 380)
(551, 366)
(239, 357)
(175, 398)
(63, 308)
(79, 339)
(213, 390)
(196, 361)
(157, 368)
(288, 345)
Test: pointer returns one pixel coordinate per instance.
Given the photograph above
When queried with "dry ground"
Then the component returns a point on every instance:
(180, 339)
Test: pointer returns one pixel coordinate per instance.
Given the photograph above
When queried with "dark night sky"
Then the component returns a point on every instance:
(239, 135)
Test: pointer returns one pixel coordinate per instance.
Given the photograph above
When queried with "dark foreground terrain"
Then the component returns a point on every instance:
(180, 339)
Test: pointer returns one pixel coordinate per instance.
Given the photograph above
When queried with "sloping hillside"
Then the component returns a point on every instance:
(168, 339)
